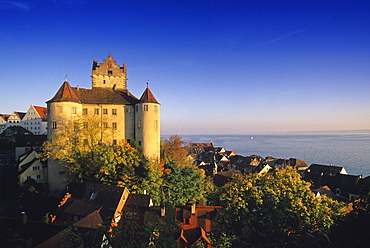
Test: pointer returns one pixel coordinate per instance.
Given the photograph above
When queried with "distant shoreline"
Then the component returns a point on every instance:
(356, 131)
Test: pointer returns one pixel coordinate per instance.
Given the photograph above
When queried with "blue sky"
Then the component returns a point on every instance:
(217, 67)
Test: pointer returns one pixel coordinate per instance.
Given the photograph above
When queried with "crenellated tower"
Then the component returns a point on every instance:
(109, 75)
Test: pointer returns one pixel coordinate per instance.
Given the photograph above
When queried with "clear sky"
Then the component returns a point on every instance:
(217, 67)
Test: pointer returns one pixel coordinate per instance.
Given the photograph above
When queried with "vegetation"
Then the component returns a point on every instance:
(273, 210)
(151, 231)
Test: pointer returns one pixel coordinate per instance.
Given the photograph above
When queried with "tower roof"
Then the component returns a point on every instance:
(65, 94)
(148, 97)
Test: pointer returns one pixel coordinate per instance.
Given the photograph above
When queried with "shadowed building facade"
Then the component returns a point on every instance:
(121, 116)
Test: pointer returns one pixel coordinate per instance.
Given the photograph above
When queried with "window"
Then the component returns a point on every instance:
(96, 111)
(145, 107)
(103, 81)
(110, 72)
(155, 108)
(105, 124)
(114, 111)
(105, 111)
(36, 168)
(93, 195)
(139, 142)
(54, 125)
(84, 111)
(38, 177)
(114, 142)
(138, 124)
(114, 125)
(74, 110)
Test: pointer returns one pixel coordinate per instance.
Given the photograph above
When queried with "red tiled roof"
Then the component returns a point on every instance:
(42, 111)
(93, 220)
(66, 93)
(148, 97)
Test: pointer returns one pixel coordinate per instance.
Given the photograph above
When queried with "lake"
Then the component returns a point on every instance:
(350, 149)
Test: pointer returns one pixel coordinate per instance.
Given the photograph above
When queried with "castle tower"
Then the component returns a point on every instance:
(109, 75)
(63, 106)
(147, 128)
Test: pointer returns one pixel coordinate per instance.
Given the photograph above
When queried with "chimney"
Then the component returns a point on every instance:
(163, 211)
(24, 218)
(193, 209)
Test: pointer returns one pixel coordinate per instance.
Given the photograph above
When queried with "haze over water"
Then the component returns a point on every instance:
(349, 149)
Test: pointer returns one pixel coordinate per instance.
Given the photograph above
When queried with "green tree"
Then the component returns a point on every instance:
(273, 210)
(71, 238)
(182, 185)
(148, 230)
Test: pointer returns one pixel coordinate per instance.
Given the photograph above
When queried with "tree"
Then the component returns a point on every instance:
(182, 185)
(148, 230)
(89, 157)
(175, 149)
(353, 229)
(273, 210)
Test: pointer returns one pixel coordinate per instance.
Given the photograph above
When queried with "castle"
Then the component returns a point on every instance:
(110, 103)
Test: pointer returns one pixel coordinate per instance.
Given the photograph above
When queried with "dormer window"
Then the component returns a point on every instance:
(93, 196)
(110, 72)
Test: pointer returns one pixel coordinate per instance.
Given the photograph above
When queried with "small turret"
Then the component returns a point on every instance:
(147, 128)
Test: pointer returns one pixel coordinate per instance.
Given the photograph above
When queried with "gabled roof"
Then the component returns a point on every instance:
(329, 170)
(193, 236)
(42, 111)
(137, 202)
(96, 196)
(4, 117)
(148, 97)
(325, 190)
(85, 226)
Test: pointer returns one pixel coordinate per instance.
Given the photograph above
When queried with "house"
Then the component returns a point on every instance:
(325, 190)
(120, 115)
(195, 223)
(29, 166)
(136, 205)
(250, 164)
(3, 122)
(197, 148)
(345, 187)
(15, 118)
(35, 120)
(16, 140)
(79, 203)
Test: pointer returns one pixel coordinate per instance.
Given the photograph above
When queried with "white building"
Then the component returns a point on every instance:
(35, 120)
